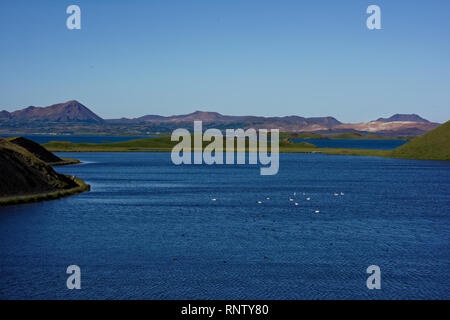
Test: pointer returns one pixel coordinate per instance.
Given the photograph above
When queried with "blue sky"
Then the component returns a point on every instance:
(270, 58)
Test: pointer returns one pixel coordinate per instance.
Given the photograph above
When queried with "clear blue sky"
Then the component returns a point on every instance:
(270, 58)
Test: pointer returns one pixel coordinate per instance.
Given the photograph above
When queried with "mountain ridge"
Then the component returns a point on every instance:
(403, 117)
(70, 111)
(73, 117)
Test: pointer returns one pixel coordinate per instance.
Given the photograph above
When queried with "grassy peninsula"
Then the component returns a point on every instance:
(433, 145)
(164, 144)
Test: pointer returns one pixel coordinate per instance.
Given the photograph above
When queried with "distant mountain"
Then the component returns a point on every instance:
(394, 128)
(329, 121)
(71, 111)
(403, 117)
(150, 117)
(204, 116)
(5, 115)
(214, 118)
(74, 118)
(433, 145)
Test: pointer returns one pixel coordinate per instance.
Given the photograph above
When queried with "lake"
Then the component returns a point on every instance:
(150, 230)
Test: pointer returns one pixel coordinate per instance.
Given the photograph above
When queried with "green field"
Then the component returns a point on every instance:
(434, 145)
(164, 144)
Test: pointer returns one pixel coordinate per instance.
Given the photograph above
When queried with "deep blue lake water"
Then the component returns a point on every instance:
(354, 144)
(149, 230)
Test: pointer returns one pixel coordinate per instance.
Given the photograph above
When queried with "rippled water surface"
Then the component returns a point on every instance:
(149, 230)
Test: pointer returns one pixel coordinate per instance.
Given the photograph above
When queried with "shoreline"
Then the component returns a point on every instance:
(52, 195)
(327, 151)
(285, 147)
(65, 162)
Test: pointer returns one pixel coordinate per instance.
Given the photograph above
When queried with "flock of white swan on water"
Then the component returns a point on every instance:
(291, 199)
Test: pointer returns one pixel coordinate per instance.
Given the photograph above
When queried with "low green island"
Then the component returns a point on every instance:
(434, 145)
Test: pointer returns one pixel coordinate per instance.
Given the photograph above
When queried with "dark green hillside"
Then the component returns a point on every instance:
(25, 178)
(35, 148)
(433, 145)
(22, 173)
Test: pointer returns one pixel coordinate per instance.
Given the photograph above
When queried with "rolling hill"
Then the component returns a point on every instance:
(434, 145)
(22, 173)
(36, 149)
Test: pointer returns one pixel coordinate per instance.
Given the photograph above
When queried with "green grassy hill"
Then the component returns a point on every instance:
(25, 178)
(433, 145)
(36, 149)
(23, 173)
